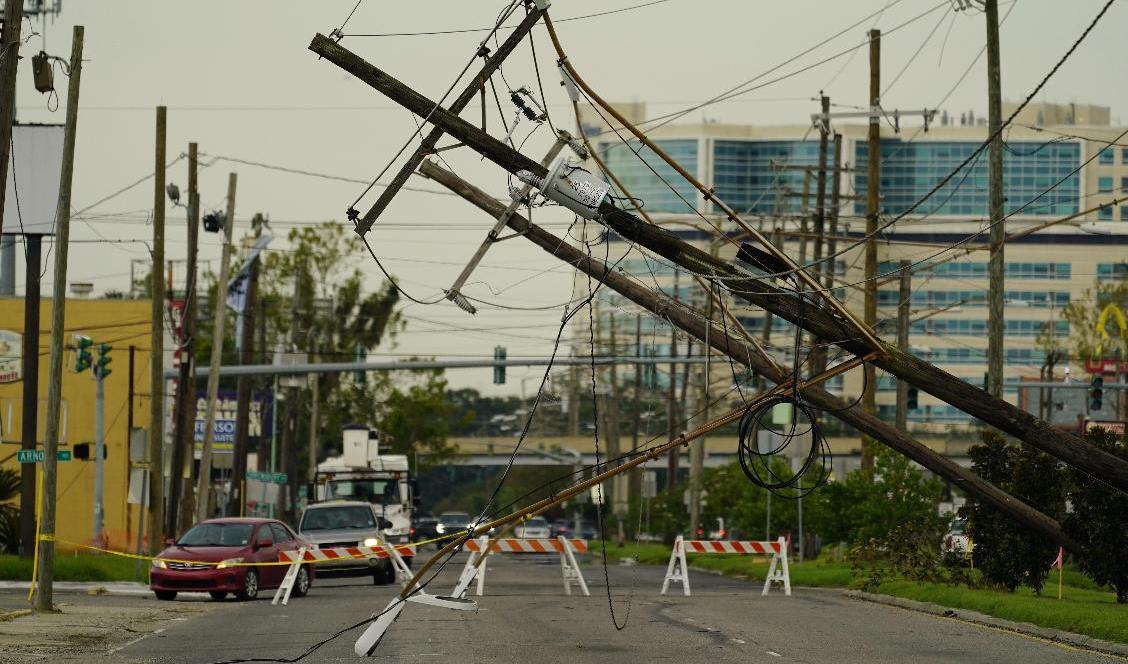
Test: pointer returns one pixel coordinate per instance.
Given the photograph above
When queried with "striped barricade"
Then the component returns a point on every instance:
(778, 571)
(313, 555)
(479, 549)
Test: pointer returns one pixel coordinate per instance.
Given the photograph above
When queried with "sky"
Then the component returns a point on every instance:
(238, 79)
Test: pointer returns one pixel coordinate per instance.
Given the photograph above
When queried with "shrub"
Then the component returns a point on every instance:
(1100, 521)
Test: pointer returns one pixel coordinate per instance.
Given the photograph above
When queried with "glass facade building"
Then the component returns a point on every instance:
(748, 175)
(1031, 175)
(673, 194)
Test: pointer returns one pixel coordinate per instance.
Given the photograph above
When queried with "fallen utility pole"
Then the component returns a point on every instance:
(798, 310)
(44, 598)
(746, 354)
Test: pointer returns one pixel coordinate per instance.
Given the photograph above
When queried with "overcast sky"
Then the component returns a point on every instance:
(238, 79)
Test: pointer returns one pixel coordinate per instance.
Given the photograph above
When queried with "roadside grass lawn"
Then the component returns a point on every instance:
(81, 567)
(1085, 607)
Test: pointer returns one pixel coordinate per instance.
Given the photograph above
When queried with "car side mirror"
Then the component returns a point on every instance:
(263, 544)
(383, 523)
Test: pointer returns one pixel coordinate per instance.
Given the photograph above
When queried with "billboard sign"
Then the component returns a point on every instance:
(34, 165)
(11, 356)
(258, 425)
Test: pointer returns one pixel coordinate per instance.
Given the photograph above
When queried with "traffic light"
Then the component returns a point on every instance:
(911, 401)
(84, 451)
(499, 371)
(100, 369)
(83, 360)
(1096, 393)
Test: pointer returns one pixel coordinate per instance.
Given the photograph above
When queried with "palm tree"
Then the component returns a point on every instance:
(9, 514)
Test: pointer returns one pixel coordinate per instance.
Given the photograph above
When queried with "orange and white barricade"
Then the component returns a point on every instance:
(778, 572)
(475, 567)
(315, 555)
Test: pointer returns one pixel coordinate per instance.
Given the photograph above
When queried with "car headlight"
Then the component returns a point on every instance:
(440, 529)
(230, 562)
(371, 541)
(160, 564)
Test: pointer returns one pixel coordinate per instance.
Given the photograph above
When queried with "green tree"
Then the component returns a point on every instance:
(9, 513)
(1006, 553)
(1100, 520)
(1083, 314)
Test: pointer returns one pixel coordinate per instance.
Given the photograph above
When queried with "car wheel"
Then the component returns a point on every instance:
(250, 586)
(301, 584)
(217, 594)
(165, 595)
(378, 576)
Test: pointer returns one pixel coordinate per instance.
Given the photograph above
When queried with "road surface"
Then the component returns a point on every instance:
(524, 616)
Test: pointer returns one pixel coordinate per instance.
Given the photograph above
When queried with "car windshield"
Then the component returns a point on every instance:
(380, 492)
(537, 522)
(459, 519)
(958, 525)
(334, 518)
(217, 534)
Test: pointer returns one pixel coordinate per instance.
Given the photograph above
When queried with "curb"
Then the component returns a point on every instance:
(87, 587)
(12, 615)
(1054, 635)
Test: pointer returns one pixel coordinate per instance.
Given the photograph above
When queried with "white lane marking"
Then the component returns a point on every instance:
(737, 640)
(126, 645)
(774, 654)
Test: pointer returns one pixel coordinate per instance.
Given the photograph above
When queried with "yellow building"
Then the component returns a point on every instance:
(123, 324)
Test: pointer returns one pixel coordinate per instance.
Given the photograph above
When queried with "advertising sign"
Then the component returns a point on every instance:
(11, 357)
(34, 166)
(258, 426)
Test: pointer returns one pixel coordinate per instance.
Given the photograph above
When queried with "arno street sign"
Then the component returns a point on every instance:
(37, 456)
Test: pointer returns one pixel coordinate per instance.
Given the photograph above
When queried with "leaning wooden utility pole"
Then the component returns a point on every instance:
(996, 289)
(156, 344)
(44, 600)
(818, 353)
(180, 505)
(235, 498)
(904, 299)
(824, 322)
(747, 354)
(873, 211)
(9, 65)
(219, 311)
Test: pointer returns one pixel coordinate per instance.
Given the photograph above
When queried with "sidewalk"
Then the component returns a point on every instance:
(84, 587)
(88, 628)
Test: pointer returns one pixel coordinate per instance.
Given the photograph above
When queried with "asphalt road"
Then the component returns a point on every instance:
(524, 616)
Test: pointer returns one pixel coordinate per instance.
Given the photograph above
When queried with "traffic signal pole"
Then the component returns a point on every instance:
(99, 450)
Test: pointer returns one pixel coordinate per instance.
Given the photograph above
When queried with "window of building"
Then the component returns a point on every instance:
(1124, 155)
(758, 176)
(1124, 213)
(1124, 184)
(1111, 271)
(1104, 183)
(1106, 157)
(1105, 214)
(636, 176)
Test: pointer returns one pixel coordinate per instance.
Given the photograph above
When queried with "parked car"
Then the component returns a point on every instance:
(561, 529)
(213, 557)
(956, 544)
(349, 523)
(424, 528)
(534, 528)
(453, 522)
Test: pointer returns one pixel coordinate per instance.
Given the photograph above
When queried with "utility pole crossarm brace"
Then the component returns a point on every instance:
(874, 114)
(427, 146)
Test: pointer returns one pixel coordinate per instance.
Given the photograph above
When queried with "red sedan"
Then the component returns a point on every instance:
(228, 545)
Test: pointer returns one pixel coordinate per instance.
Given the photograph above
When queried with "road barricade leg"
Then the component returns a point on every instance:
(677, 570)
(283, 593)
(571, 569)
(778, 571)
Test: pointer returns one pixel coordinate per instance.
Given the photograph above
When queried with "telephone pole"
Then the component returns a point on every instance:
(873, 191)
(180, 492)
(818, 355)
(903, 301)
(219, 311)
(156, 344)
(44, 598)
(243, 390)
(9, 63)
(997, 235)
(672, 403)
